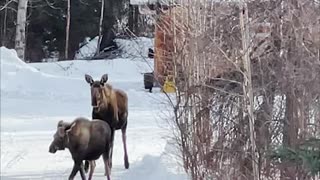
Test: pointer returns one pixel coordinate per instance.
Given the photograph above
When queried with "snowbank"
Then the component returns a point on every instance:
(152, 167)
(135, 47)
(88, 49)
(131, 48)
(117, 69)
(11, 63)
(64, 81)
(158, 167)
(139, 2)
(19, 79)
(53, 79)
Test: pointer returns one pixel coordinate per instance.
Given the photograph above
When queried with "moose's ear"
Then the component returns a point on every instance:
(61, 132)
(104, 79)
(88, 79)
(60, 123)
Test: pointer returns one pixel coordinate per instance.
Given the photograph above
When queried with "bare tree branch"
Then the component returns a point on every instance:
(7, 4)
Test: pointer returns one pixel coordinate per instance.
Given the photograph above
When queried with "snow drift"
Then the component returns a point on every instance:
(130, 48)
(135, 47)
(88, 49)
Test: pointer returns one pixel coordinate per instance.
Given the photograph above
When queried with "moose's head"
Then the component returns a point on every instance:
(60, 137)
(97, 88)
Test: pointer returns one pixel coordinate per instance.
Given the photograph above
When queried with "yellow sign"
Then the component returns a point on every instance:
(169, 86)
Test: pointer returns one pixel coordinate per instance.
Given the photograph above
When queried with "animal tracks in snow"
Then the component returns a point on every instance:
(15, 160)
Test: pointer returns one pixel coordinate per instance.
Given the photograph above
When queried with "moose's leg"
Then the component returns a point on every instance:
(76, 168)
(83, 175)
(107, 156)
(113, 131)
(86, 166)
(124, 140)
(92, 165)
(106, 160)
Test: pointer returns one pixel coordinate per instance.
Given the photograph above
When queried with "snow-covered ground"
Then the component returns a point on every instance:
(134, 48)
(34, 97)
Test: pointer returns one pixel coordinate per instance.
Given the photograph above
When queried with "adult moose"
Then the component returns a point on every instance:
(86, 140)
(110, 105)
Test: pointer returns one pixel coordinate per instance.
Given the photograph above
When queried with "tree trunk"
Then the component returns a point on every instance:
(133, 19)
(20, 41)
(67, 32)
(136, 20)
(290, 132)
(247, 87)
(4, 30)
(100, 26)
(131, 15)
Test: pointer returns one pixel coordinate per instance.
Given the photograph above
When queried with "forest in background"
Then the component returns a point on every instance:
(46, 23)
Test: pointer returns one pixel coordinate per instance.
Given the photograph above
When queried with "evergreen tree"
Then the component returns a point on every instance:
(307, 154)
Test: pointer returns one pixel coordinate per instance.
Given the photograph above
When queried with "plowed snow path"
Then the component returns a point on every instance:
(25, 154)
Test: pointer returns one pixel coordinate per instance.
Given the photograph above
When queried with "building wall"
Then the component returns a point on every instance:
(163, 48)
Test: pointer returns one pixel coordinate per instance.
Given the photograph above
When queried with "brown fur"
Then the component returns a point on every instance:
(86, 140)
(110, 105)
(115, 102)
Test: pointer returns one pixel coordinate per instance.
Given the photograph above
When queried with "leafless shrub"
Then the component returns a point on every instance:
(212, 121)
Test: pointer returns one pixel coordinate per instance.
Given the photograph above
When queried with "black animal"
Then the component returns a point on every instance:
(150, 53)
(86, 140)
(111, 106)
(148, 81)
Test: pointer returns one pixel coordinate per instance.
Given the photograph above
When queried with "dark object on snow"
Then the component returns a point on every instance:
(110, 105)
(86, 140)
(151, 53)
(148, 81)
(112, 54)
(108, 47)
(107, 41)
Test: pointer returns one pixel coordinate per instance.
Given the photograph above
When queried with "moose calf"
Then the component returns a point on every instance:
(86, 140)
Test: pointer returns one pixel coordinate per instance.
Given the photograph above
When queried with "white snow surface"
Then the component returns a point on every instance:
(141, 2)
(34, 97)
(134, 48)
(88, 49)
